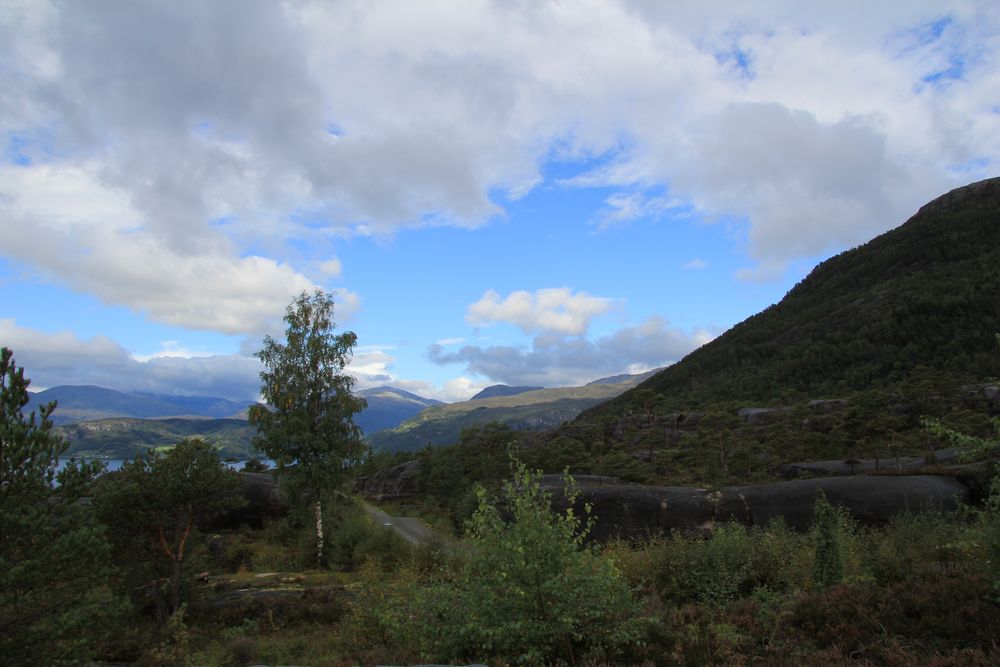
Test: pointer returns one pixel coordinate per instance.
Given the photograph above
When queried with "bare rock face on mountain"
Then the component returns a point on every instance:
(633, 511)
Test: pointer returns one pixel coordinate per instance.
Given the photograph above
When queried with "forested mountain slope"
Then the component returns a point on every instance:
(924, 294)
(897, 330)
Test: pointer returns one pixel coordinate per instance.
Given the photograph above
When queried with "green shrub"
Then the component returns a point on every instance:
(709, 571)
(435, 556)
(990, 526)
(345, 539)
(530, 591)
(381, 626)
(828, 568)
(633, 560)
(919, 545)
(355, 539)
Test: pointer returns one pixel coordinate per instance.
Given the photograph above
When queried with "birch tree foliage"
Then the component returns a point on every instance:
(307, 426)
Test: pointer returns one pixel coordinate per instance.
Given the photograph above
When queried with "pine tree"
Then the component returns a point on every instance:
(55, 601)
(167, 495)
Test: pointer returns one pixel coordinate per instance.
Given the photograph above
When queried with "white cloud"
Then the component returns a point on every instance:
(460, 388)
(67, 224)
(167, 142)
(331, 267)
(555, 310)
(805, 185)
(624, 207)
(695, 264)
(449, 341)
(372, 366)
(555, 360)
(171, 348)
(62, 358)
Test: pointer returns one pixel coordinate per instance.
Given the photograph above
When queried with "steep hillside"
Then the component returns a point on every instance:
(923, 294)
(539, 409)
(900, 327)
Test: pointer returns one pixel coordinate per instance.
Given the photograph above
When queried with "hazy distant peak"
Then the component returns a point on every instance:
(385, 391)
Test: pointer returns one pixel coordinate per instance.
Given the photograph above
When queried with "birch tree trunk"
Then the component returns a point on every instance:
(319, 533)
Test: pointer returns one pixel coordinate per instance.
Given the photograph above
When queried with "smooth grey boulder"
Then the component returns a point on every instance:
(391, 482)
(871, 499)
(634, 512)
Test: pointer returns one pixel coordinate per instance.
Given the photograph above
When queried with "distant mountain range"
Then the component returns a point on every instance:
(105, 422)
(86, 403)
(524, 410)
(389, 407)
(109, 423)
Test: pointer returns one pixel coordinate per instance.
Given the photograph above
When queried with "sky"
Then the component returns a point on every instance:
(529, 193)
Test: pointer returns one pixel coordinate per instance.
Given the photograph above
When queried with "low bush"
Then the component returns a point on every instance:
(732, 562)
(920, 545)
(939, 614)
(354, 539)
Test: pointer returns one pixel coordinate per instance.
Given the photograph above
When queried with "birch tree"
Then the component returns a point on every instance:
(307, 426)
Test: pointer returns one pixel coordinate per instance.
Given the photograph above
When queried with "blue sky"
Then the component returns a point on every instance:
(541, 193)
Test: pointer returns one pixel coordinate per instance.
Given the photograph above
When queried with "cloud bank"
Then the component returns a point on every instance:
(201, 163)
(62, 358)
(562, 361)
(208, 143)
(52, 359)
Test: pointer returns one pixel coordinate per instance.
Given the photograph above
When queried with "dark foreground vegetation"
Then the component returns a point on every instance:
(151, 572)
